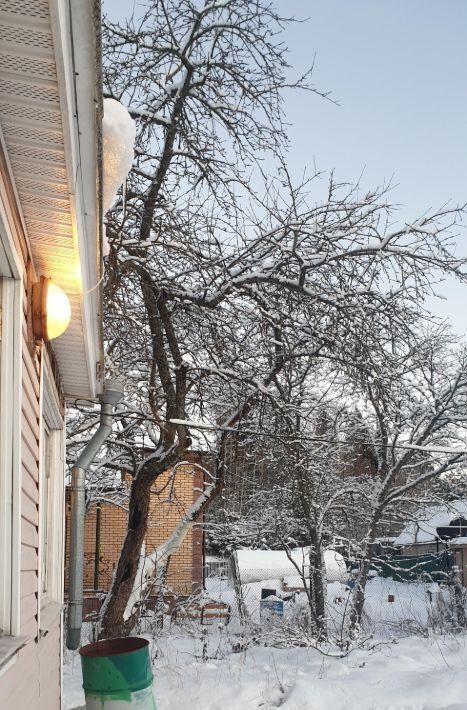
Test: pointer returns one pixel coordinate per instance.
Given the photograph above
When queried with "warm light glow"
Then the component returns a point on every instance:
(58, 311)
(51, 310)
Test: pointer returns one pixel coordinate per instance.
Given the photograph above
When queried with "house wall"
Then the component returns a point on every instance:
(185, 573)
(32, 677)
(31, 681)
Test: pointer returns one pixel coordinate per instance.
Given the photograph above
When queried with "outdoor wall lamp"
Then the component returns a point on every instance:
(51, 310)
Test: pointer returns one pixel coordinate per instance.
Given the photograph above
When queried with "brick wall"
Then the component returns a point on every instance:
(105, 530)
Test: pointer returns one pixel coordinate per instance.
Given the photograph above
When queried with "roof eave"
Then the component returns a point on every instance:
(76, 34)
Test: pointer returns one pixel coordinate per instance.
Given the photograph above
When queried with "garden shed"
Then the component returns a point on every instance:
(435, 530)
(432, 527)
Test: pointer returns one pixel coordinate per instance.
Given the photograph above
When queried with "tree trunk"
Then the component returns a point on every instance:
(317, 586)
(112, 623)
(358, 598)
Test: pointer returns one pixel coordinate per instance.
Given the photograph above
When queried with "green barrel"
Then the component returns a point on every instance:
(117, 674)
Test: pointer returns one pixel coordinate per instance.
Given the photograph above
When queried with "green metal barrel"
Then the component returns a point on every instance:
(117, 674)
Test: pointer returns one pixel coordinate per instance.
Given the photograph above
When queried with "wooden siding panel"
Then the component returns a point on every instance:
(29, 509)
(29, 394)
(29, 486)
(49, 652)
(29, 561)
(30, 414)
(30, 464)
(29, 533)
(29, 628)
(25, 299)
(30, 367)
(29, 583)
(28, 610)
(33, 681)
(20, 683)
(24, 331)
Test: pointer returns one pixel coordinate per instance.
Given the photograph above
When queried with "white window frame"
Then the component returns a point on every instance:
(10, 455)
(11, 283)
(52, 421)
(45, 505)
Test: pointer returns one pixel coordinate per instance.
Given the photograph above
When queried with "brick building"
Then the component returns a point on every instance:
(106, 524)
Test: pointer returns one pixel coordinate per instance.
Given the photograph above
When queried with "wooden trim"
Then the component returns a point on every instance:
(54, 381)
(10, 456)
(40, 491)
(6, 470)
(9, 649)
(30, 279)
(18, 240)
(15, 373)
(51, 414)
(80, 99)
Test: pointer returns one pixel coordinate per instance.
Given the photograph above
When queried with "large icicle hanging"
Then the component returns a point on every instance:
(118, 141)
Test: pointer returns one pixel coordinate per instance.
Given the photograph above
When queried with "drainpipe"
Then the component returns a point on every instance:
(113, 392)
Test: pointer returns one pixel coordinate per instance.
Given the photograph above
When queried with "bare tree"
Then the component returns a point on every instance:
(415, 405)
(213, 292)
(205, 85)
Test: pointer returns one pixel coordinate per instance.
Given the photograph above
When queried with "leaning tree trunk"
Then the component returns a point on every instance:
(112, 623)
(152, 571)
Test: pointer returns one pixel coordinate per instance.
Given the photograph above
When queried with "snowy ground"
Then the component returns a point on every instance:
(413, 606)
(413, 674)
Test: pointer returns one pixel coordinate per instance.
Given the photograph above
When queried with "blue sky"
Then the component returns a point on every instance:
(398, 69)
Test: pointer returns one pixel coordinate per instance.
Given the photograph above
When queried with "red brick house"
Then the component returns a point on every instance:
(106, 523)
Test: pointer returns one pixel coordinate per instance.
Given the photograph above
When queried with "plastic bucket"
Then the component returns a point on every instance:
(117, 674)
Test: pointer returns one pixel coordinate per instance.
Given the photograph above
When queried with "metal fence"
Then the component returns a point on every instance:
(402, 597)
(411, 568)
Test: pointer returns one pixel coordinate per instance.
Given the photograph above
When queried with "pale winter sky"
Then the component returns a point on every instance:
(398, 69)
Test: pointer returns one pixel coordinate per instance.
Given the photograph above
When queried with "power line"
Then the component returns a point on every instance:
(321, 440)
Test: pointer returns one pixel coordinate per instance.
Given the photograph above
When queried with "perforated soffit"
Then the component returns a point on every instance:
(31, 121)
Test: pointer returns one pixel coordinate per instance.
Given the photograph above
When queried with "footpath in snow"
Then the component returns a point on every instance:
(413, 674)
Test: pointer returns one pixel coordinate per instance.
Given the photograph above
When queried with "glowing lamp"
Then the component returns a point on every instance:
(51, 311)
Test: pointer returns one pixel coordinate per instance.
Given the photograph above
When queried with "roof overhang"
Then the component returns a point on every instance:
(449, 532)
(50, 116)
